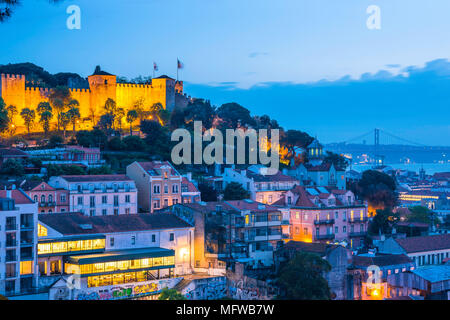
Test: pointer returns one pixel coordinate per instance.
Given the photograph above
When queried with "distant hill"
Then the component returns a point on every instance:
(37, 76)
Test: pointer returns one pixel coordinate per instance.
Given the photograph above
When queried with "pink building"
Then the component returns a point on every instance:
(158, 183)
(189, 192)
(98, 195)
(49, 199)
(324, 214)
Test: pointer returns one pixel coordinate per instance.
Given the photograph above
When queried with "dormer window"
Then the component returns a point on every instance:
(166, 175)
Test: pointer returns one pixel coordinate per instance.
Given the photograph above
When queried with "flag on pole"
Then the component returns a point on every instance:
(155, 66)
(180, 64)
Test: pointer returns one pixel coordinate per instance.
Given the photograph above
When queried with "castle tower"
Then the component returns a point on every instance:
(103, 86)
(164, 91)
(12, 90)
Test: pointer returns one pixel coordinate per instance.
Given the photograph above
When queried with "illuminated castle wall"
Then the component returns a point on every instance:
(102, 86)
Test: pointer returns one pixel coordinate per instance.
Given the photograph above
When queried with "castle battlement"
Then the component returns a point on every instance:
(134, 85)
(81, 90)
(40, 89)
(13, 76)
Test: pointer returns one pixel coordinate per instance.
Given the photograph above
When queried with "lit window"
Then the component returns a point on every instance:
(26, 267)
(42, 231)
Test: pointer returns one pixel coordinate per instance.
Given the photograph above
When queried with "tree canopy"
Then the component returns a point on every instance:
(235, 191)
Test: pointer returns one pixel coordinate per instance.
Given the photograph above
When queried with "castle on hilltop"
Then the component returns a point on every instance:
(102, 85)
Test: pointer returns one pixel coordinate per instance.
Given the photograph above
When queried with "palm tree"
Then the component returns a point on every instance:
(28, 116)
(64, 121)
(111, 109)
(59, 98)
(120, 113)
(73, 115)
(12, 112)
(132, 115)
(45, 118)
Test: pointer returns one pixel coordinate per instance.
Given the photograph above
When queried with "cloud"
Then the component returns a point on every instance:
(415, 99)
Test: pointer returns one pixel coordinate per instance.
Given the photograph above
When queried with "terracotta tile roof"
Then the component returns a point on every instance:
(269, 178)
(426, 243)
(153, 167)
(381, 260)
(206, 207)
(72, 224)
(12, 152)
(19, 196)
(94, 178)
(413, 224)
(324, 166)
(314, 247)
(442, 176)
(189, 185)
(251, 205)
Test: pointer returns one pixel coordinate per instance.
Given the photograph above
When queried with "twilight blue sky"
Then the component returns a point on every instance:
(311, 64)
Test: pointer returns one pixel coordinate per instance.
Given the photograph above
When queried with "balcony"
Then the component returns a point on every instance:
(11, 227)
(358, 220)
(285, 222)
(26, 242)
(11, 258)
(325, 221)
(11, 243)
(11, 274)
(357, 234)
(325, 236)
(47, 204)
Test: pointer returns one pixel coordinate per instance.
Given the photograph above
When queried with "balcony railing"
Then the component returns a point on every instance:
(11, 258)
(325, 236)
(11, 243)
(12, 274)
(11, 227)
(357, 234)
(358, 220)
(327, 221)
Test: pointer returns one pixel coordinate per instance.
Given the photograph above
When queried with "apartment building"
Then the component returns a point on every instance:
(242, 231)
(262, 187)
(113, 257)
(325, 215)
(49, 199)
(98, 195)
(18, 242)
(189, 192)
(425, 250)
(158, 184)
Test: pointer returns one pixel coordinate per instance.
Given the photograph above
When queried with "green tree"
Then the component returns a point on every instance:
(100, 170)
(120, 113)
(90, 139)
(233, 115)
(64, 120)
(199, 110)
(421, 214)
(111, 111)
(378, 188)
(132, 115)
(74, 115)
(43, 107)
(12, 167)
(207, 192)
(302, 278)
(134, 143)
(44, 120)
(235, 191)
(157, 138)
(12, 113)
(59, 98)
(383, 221)
(336, 159)
(4, 118)
(28, 116)
(170, 294)
(56, 140)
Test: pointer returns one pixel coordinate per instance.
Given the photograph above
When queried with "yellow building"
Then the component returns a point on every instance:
(102, 85)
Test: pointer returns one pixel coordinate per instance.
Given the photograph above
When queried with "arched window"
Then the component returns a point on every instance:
(35, 198)
(50, 198)
(43, 198)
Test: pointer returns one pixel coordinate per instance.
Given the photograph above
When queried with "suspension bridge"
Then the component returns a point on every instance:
(377, 142)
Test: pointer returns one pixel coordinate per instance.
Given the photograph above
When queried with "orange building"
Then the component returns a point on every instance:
(102, 85)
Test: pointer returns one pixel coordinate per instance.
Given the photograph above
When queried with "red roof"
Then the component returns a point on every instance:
(190, 186)
(381, 260)
(251, 205)
(269, 178)
(153, 167)
(72, 224)
(12, 152)
(426, 243)
(94, 178)
(19, 196)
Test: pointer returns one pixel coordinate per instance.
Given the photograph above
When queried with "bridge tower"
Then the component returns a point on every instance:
(378, 159)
